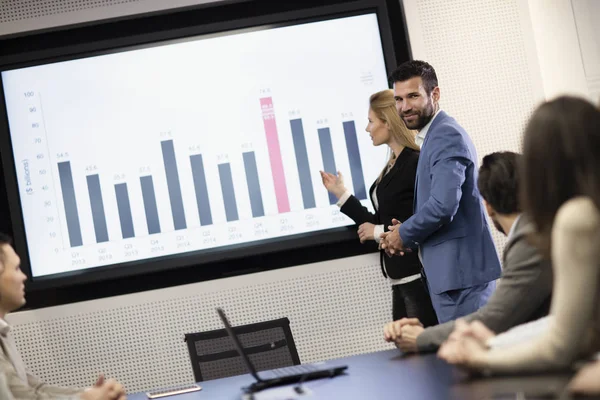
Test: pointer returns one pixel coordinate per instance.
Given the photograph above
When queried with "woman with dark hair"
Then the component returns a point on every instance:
(561, 193)
(392, 198)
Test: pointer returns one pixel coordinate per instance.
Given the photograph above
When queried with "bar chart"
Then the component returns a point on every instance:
(328, 156)
(180, 220)
(201, 189)
(215, 181)
(268, 115)
(114, 170)
(150, 207)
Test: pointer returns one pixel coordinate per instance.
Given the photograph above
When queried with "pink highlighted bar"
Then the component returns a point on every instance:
(268, 114)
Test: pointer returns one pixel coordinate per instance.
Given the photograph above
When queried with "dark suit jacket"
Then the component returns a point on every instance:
(523, 294)
(395, 195)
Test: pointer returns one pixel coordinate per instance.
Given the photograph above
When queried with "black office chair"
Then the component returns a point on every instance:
(268, 344)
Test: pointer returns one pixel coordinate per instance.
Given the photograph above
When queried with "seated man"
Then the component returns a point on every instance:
(21, 384)
(524, 291)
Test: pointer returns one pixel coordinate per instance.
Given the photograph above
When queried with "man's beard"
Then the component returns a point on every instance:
(498, 226)
(423, 117)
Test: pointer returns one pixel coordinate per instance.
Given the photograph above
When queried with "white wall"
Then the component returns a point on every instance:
(487, 54)
(484, 55)
(558, 48)
(587, 19)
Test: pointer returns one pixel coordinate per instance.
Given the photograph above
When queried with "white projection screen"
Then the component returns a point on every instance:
(203, 144)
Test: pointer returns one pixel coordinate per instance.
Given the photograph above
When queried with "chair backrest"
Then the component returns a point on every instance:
(268, 344)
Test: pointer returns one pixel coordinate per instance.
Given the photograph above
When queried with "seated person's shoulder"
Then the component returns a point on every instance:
(579, 214)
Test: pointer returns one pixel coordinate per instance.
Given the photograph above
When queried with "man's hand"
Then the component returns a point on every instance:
(465, 347)
(408, 340)
(366, 232)
(393, 330)
(391, 241)
(104, 390)
(410, 321)
(382, 241)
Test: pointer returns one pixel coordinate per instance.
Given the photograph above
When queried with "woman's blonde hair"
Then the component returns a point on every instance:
(383, 106)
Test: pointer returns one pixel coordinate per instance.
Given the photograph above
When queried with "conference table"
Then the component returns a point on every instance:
(391, 375)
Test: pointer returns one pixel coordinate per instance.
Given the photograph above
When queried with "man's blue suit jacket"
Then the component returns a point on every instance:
(449, 223)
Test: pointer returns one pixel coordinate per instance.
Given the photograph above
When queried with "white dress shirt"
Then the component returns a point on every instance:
(420, 138)
(512, 228)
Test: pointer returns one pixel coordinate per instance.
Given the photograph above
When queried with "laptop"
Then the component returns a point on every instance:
(280, 376)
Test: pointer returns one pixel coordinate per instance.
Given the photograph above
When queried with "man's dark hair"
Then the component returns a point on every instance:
(4, 239)
(561, 160)
(499, 182)
(411, 69)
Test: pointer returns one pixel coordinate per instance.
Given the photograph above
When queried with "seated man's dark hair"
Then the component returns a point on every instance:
(499, 181)
(4, 239)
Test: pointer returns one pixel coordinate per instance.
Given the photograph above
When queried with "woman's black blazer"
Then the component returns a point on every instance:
(395, 194)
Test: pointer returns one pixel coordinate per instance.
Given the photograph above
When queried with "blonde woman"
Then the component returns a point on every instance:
(392, 197)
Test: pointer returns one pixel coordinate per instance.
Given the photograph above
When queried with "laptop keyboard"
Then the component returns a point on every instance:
(294, 370)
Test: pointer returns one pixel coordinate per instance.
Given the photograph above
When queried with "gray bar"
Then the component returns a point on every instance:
(253, 184)
(70, 203)
(168, 152)
(201, 189)
(98, 215)
(231, 211)
(308, 195)
(358, 179)
(150, 207)
(328, 157)
(124, 210)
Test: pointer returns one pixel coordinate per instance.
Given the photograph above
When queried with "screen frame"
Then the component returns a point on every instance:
(205, 257)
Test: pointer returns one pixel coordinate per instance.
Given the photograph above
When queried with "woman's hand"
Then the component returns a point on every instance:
(333, 183)
(465, 352)
(464, 348)
(366, 231)
(587, 380)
